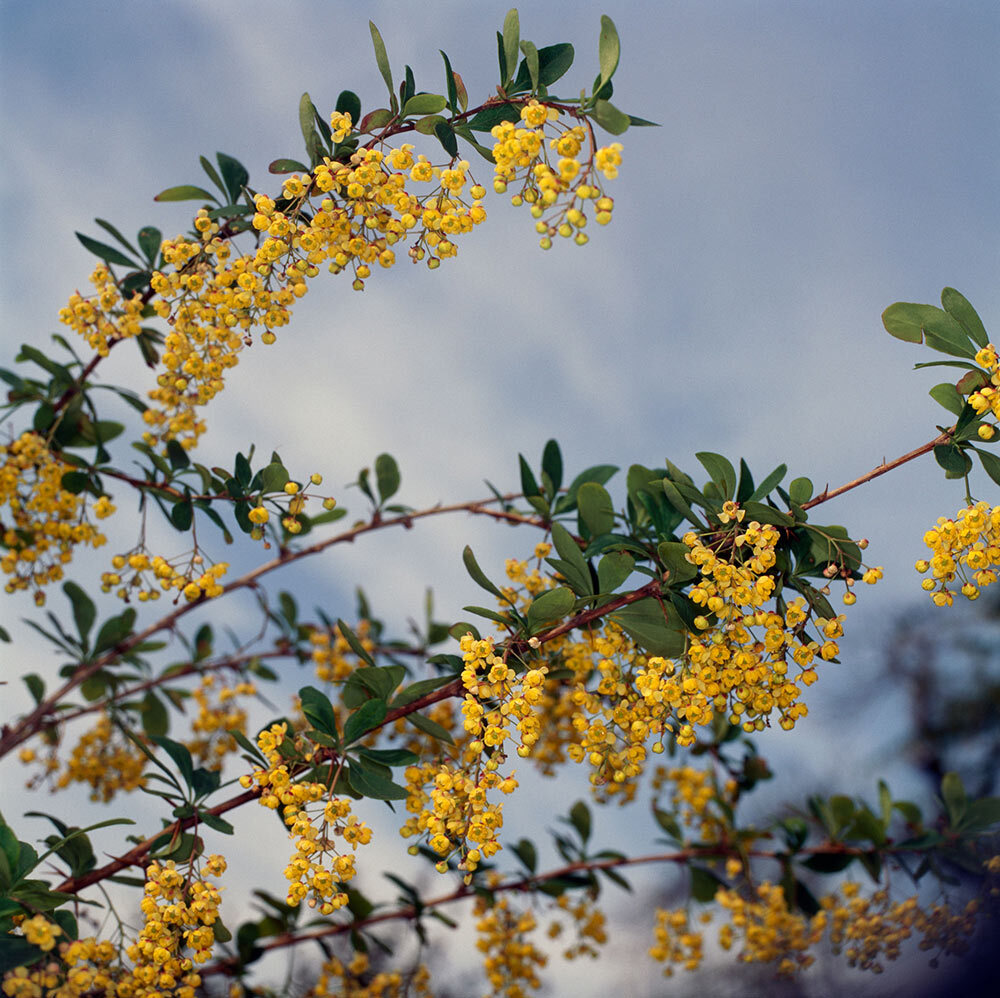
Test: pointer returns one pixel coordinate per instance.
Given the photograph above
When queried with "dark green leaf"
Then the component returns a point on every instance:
(287, 166)
(431, 728)
(370, 780)
(946, 394)
(484, 120)
(150, 239)
(990, 462)
(531, 61)
(610, 118)
(108, 227)
(553, 63)
(180, 755)
(114, 630)
(154, 715)
(596, 508)
(916, 323)
(579, 816)
(386, 476)
(182, 515)
(234, 174)
(800, 491)
(185, 192)
(721, 471)
(318, 710)
(369, 715)
(348, 102)
(107, 253)
(704, 884)
(478, 576)
(953, 459)
(656, 627)
(550, 606)
(959, 308)
(526, 852)
(953, 795)
(355, 642)
(673, 554)
(613, 569)
(84, 611)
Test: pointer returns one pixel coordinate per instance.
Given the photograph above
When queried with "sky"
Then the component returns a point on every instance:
(814, 163)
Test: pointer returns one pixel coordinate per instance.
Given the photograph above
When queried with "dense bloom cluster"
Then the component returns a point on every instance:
(104, 317)
(556, 181)
(46, 522)
(219, 712)
(355, 979)
(986, 401)
(332, 654)
(966, 548)
(106, 760)
(869, 930)
(510, 959)
(320, 825)
(588, 922)
(145, 577)
(85, 967)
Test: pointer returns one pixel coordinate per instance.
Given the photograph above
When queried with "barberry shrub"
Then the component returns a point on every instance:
(645, 642)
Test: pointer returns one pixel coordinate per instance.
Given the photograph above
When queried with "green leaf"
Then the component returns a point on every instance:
(185, 192)
(526, 852)
(287, 166)
(36, 686)
(679, 503)
(800, 491)
(107, 253)
(953, 795)
(420, 688)
(980, 815)
(155, 720)
(114, 630)
(390, 757)
(610, 118)
(108, 227)
(511, 43)
(613, 569)
(180, 755)
(571, 563)
(182, 515)
(955, 462)
(349, 102)
(721, 471)
(150, 238)
(318, 710)
(234, 174)
(552, 464)
(371, 780)
(946, 394)
(673, 555)
(381, 58)
(386, 476)
(917, 323)
(355, 642)
(550, 606)
(369, 715)
(424, 104)
(579, 817)
(484, 120)
(84, 611)
(553, 63)
(531, 61)
(450, 84)
(704, 884)
(609, 51)
(990, 462)
(446, 136)
(427, 126)
(596, 508)
(959, 308)
(478, 576)
(432, 728)
(656, 627)
(212, 174)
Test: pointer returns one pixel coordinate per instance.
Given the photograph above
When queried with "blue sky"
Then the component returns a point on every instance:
(815, 163)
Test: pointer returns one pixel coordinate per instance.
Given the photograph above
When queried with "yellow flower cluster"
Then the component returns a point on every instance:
(588, 922)
(986, 401)
(318, 868)
(104, 317)
(84, 969)
(180, 910)
(554, 180)
(676, 945)
(355, 979)
(39, 931)
(868, 930)
(106, 760)
(332, 654)
(451, 809)
(218, 714)
(147, 576)
(966, 548)
(46, 522)
(511, 960)
(692, 796)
